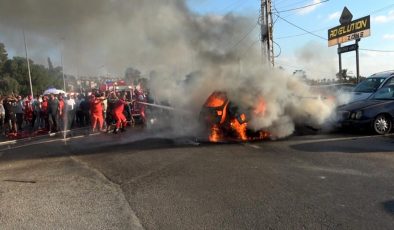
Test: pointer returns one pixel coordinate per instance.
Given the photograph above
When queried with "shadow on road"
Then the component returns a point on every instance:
(388, 206)
(127, 143)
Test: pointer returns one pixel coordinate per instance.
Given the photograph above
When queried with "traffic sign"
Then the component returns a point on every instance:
(346, 16)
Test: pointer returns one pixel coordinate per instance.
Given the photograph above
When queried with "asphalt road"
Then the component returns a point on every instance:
(134, 181)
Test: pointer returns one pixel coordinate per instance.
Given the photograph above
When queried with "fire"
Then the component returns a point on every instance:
(225, 121)
(215, 135)
(260, 107)
(216, 99)
(240, 128)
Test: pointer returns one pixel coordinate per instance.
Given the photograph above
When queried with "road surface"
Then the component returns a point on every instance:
(138, 181)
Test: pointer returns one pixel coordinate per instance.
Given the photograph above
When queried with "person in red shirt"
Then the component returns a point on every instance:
(96, 111)
(120, 118)
(44, 112)
(28, 110)
(61, 110)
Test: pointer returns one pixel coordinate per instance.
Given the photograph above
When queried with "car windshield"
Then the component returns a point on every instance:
(385, 93)
(369, 85)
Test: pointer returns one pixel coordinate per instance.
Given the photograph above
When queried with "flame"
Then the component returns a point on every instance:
(240, 128)
(215, 135)
(260, 107)
(216, 99)
(264, 135)
(224, 124)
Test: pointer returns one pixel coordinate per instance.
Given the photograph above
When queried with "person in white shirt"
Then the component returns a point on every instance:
(70, 110)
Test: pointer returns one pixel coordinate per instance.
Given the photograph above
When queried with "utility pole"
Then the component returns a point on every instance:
(267, 49)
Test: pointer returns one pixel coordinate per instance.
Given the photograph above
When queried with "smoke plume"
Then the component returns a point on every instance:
(192, 55)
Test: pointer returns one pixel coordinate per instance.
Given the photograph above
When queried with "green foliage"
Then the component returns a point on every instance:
(14, 76)
(8, 86)
(3, 56)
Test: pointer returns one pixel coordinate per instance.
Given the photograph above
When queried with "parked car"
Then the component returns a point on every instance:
(366, 88)
(338, 93)
(376, 112)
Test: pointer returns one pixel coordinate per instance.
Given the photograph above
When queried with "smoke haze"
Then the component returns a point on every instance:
(166, 37)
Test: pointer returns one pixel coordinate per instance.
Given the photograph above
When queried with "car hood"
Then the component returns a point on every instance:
(358, 96)
(363, 104)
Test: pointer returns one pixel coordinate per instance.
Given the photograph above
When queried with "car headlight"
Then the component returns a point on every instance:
(359, 114)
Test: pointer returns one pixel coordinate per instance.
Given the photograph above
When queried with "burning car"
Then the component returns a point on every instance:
(224, 120)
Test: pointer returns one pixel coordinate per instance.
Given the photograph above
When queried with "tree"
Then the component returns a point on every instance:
(342, 76)
(50, 65)
(8, 86)
(3, 56)
(14, 75)
(300, 73)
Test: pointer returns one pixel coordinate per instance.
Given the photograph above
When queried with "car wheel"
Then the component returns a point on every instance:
(382, 124)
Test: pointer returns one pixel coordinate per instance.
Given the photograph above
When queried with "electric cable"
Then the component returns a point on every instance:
(373, 50)
(303, 7)
(309, 32)
(280, 49)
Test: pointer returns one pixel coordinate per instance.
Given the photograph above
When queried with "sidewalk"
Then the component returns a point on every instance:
(60, 193)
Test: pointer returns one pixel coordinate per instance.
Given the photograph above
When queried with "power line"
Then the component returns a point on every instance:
(297, 35)
(249, 47)
(309, 32)
(381, 9)
(280, 49)
(293, 3)
(381, 51)
(245, 36)
(302, 7)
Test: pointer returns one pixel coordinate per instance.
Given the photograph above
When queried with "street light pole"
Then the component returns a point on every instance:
(28, 64)
(64, 81)
(61, 62)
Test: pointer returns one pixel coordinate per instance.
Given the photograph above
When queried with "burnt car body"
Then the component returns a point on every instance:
(376, 112)
(224, 120)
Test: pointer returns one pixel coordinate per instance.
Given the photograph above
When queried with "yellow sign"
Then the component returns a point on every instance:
(356, 29)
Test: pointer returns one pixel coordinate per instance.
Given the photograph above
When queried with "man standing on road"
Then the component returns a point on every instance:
(9, 104)
(28, 111)
(120, 118)
(44, 116)
(19, 113)
(96, 111)
(70, 108)
(61, 111)
(53, 110)
(36, 120)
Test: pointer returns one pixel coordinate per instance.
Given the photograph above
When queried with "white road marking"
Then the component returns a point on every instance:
(8, 142)
(336, 139)
(252, 146)
(47, 141)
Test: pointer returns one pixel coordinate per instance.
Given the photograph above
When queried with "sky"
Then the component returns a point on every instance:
(107, 36)
(293, 42)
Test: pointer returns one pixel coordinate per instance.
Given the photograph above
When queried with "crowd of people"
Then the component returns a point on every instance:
(100, 111)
